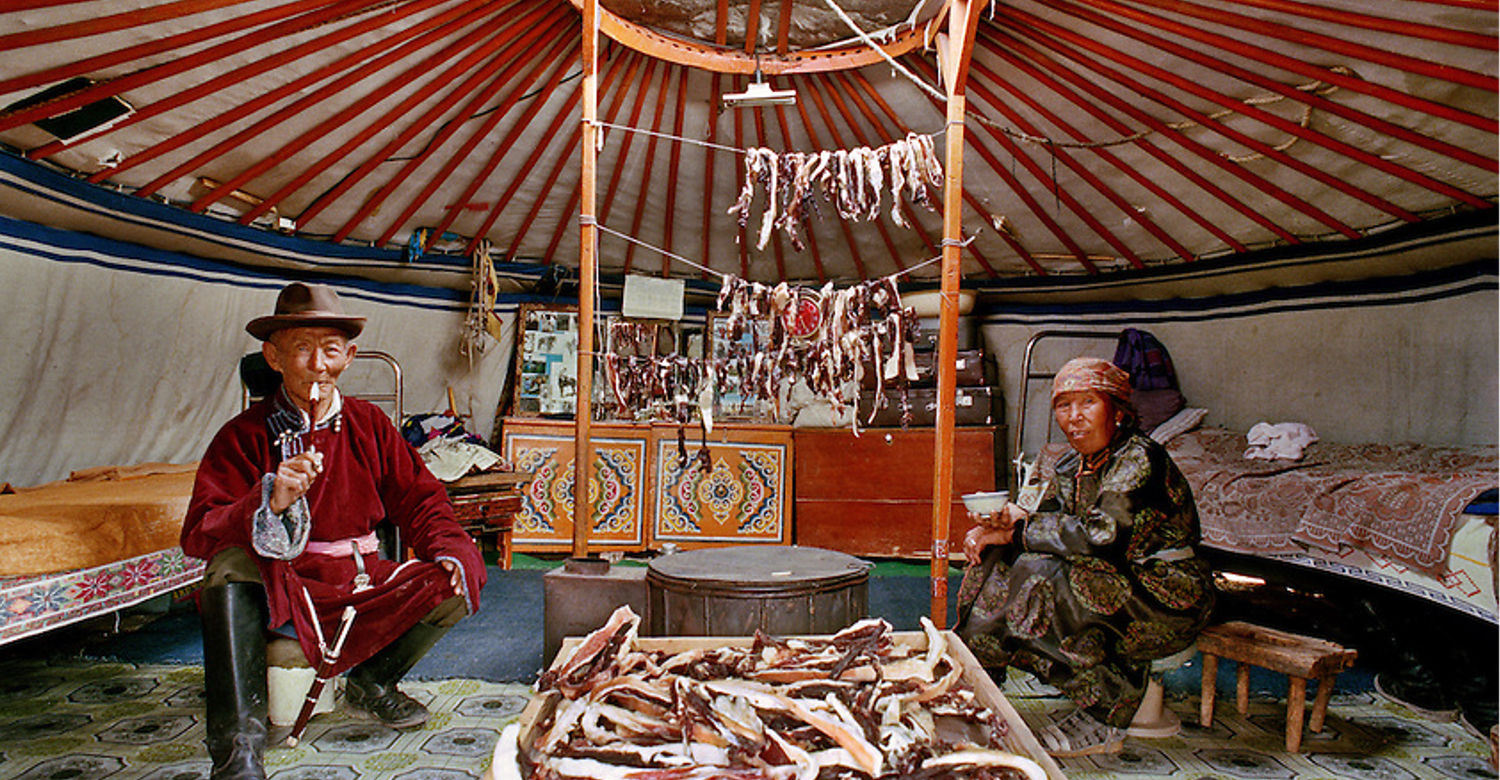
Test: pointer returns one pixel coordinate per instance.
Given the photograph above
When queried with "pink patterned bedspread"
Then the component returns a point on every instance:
(1398, 500)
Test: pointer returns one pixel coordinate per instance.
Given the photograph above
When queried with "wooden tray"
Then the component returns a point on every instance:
(1019, 740)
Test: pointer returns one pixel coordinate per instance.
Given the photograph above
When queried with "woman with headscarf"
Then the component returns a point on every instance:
(1101, 578)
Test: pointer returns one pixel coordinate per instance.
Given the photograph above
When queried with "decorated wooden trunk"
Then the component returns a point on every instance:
(738, 493)
(617, 485)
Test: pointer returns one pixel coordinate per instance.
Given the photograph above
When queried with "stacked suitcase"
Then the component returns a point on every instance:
(976, 401)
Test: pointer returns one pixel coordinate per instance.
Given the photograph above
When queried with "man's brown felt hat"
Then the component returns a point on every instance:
(306, 306)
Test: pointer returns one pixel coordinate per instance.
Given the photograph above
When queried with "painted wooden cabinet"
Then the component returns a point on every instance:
(871, 495)
(644, 494)
(740, 494)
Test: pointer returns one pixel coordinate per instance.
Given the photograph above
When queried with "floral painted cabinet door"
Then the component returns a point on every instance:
(546, 448)
(739, 494)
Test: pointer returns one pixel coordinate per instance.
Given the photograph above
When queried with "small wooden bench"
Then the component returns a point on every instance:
(1301, 658)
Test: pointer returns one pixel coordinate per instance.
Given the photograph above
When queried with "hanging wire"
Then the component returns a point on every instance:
(721, 275)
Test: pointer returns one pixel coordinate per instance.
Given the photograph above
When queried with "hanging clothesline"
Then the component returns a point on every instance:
(721, 275)
(693, 141)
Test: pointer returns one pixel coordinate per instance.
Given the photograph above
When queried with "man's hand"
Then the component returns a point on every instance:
(293, 479)
(455, 576)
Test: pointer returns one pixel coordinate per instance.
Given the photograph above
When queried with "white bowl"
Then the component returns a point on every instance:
(986, 503)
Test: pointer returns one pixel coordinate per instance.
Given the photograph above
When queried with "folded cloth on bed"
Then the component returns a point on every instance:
(1401, 501)
(1282, 441)
(99, 517)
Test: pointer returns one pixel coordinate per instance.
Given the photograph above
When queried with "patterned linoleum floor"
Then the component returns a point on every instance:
(81, 720)
(1364, 738)
(115, 721)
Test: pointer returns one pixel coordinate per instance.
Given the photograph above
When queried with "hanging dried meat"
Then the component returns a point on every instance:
(827, 338)
(853, 180)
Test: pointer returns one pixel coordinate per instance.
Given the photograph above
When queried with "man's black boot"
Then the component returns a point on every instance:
(234, 672)
(371, 686)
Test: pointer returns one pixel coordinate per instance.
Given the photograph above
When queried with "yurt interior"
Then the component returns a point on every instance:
(749, 389)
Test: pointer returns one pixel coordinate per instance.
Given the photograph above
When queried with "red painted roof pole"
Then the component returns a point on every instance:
(1135, 87)
(1149, 183)
(558, 31)
(1109, 98)
(502, 64)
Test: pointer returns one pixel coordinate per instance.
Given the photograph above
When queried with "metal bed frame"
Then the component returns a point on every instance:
(1030, 374)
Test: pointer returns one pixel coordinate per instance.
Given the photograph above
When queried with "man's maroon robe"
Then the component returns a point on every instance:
(369, 473)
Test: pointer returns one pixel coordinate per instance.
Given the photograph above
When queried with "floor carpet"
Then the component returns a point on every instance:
(94, 720)
(121, 699)
(81, 720)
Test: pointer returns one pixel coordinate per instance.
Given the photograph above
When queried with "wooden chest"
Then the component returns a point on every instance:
(487, 503)
(871, 495)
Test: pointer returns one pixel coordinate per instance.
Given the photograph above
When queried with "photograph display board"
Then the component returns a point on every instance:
(547, 361)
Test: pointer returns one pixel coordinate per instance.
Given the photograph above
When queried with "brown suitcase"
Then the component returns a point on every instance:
(971, 406)
(969, 363)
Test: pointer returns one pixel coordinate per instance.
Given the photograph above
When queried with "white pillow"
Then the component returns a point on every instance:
(1178, 424)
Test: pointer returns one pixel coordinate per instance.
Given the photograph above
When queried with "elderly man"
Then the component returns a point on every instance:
(284, 510)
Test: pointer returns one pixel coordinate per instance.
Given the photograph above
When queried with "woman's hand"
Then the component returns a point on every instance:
(1007, 517)
(982, 536)
(992, 528)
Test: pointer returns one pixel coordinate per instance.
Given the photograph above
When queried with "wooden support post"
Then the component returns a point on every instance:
(588, 245)
(963, 21)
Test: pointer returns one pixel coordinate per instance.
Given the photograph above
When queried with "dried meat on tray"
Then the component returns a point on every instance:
(866, 702)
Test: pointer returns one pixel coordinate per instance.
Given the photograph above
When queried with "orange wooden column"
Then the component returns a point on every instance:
(962, 22)
(588, 245)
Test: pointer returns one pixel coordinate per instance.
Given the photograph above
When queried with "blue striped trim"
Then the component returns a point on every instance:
(39, 181)
(1425, 286)
(65, 246)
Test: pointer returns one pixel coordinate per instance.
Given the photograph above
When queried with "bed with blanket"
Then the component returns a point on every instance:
(100, 541)
(1404, 516)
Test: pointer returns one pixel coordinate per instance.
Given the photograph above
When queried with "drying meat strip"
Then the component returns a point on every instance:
(853, 180)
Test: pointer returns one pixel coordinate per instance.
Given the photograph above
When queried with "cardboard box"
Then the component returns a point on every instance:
(1018, 740)
(971, 406)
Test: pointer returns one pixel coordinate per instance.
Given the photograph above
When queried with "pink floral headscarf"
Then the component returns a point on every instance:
(1091, 373)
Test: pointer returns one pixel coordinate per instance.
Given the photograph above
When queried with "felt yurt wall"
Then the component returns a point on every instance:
(1409, 358)
(117, 354)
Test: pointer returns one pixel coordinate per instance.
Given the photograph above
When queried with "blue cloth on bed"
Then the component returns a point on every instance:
(1485, 503)
(1146, 360)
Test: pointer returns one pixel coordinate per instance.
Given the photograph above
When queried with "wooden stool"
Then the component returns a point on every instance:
(1301, 658)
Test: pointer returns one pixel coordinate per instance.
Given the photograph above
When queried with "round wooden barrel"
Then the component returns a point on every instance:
(735, 591)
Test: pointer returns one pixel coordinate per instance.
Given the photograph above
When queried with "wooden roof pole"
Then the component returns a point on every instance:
(963, 20)
(588, 245)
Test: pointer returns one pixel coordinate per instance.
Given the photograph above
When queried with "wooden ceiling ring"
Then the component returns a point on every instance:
(720, 60)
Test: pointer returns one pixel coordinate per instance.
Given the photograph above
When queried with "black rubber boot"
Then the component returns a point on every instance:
(234, 672)
(371, 686)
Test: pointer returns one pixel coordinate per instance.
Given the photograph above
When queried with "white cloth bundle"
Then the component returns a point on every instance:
(1282, 441)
